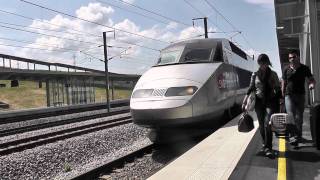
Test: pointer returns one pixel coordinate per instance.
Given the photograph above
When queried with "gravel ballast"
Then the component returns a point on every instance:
(149, 164)
(54, 118)
(58, 128)
(65, 159)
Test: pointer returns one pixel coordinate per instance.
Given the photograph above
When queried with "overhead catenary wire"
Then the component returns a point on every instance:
(116, 56)
(134, 58)
(43, 29)
(96, 23)
(25, 47)
(122, 59)
(196, 9)
(155, 13)
(153, 49)
(140, 14)
(228, 21)
(86, 33)
(56, 46)
(44, 22)
(32, 32)
(39, 44)
(70, 39)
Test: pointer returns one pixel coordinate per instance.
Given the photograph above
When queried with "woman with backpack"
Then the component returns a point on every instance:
(265, 84)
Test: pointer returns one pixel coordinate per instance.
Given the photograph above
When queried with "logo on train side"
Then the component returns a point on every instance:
(227, 80)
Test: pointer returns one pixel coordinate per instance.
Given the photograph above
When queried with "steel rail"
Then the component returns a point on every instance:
(109, 166)
(8, 132)
(24, 115)
(31, 142)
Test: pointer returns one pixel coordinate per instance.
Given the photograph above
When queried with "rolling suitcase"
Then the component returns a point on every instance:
(315, 121)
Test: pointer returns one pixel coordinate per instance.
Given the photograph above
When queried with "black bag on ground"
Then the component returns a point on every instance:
(245, 123)
(315, 123)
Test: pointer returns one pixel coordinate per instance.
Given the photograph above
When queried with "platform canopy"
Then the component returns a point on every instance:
(297, 28)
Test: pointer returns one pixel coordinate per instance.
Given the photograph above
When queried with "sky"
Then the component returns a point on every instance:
(136, 29)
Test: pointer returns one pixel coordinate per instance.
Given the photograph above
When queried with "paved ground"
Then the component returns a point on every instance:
(301, 163)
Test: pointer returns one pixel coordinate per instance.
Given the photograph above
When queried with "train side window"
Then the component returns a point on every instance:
(218, 54)
(238, 51)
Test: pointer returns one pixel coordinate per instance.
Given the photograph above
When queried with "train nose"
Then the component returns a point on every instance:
(158, 113)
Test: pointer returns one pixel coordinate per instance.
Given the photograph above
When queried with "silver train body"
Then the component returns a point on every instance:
(194, 83)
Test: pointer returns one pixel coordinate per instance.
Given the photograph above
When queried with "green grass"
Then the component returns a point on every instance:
(29, 95)
(118, 94)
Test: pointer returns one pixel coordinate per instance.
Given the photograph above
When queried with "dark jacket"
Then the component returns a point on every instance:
(266, 86)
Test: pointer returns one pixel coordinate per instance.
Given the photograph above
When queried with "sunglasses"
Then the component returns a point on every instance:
(292, 57)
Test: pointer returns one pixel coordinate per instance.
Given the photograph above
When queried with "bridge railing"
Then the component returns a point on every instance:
(32, 64)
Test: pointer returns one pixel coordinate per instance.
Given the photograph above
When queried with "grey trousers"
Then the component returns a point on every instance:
(295, 108)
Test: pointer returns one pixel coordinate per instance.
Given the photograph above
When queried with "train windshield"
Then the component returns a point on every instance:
(205, 54)
(169, 56)
(195, 55)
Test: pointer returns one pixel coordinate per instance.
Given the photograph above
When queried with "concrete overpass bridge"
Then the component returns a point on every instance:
(65, 84)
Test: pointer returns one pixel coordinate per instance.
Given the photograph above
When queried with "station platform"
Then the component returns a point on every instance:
(229, 154)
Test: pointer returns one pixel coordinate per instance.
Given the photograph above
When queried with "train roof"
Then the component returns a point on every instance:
(209, 42)
(204, 42)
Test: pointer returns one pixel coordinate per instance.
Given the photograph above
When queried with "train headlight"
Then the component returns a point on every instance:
(142, 93)
(181, 91)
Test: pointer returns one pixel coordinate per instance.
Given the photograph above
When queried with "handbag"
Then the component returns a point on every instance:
(251, 102)
(245, 123)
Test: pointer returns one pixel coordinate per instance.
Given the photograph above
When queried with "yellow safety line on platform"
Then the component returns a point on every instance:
(282, 171)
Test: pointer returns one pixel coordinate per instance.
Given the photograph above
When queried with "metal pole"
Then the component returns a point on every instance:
(205, 27)
(112, 90)
(48, 93)
(106, 68)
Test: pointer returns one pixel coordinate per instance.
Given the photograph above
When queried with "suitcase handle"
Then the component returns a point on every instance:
(311, 90)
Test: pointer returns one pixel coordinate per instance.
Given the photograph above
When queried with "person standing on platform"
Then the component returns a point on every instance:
(293, 89)
(265, 83)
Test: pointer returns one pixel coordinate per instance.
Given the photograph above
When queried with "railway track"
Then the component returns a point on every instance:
(31, 142)
(25, 115)
(109, 166)
(23, 129)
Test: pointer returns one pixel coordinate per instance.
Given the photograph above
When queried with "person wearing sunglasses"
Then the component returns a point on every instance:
(294, 78)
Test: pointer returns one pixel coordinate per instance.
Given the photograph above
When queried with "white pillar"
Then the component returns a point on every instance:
(311, 6)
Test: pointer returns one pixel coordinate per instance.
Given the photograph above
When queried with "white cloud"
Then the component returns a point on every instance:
(94, 12)
(191, 32)
(172, 25)
(98, 13)
(265, 3)
(129, 1)
(260, 1)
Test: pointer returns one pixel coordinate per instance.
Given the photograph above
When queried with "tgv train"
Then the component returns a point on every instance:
(194, 83)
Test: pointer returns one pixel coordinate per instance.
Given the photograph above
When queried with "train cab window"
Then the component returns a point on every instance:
(194, 55)
(169, 57)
